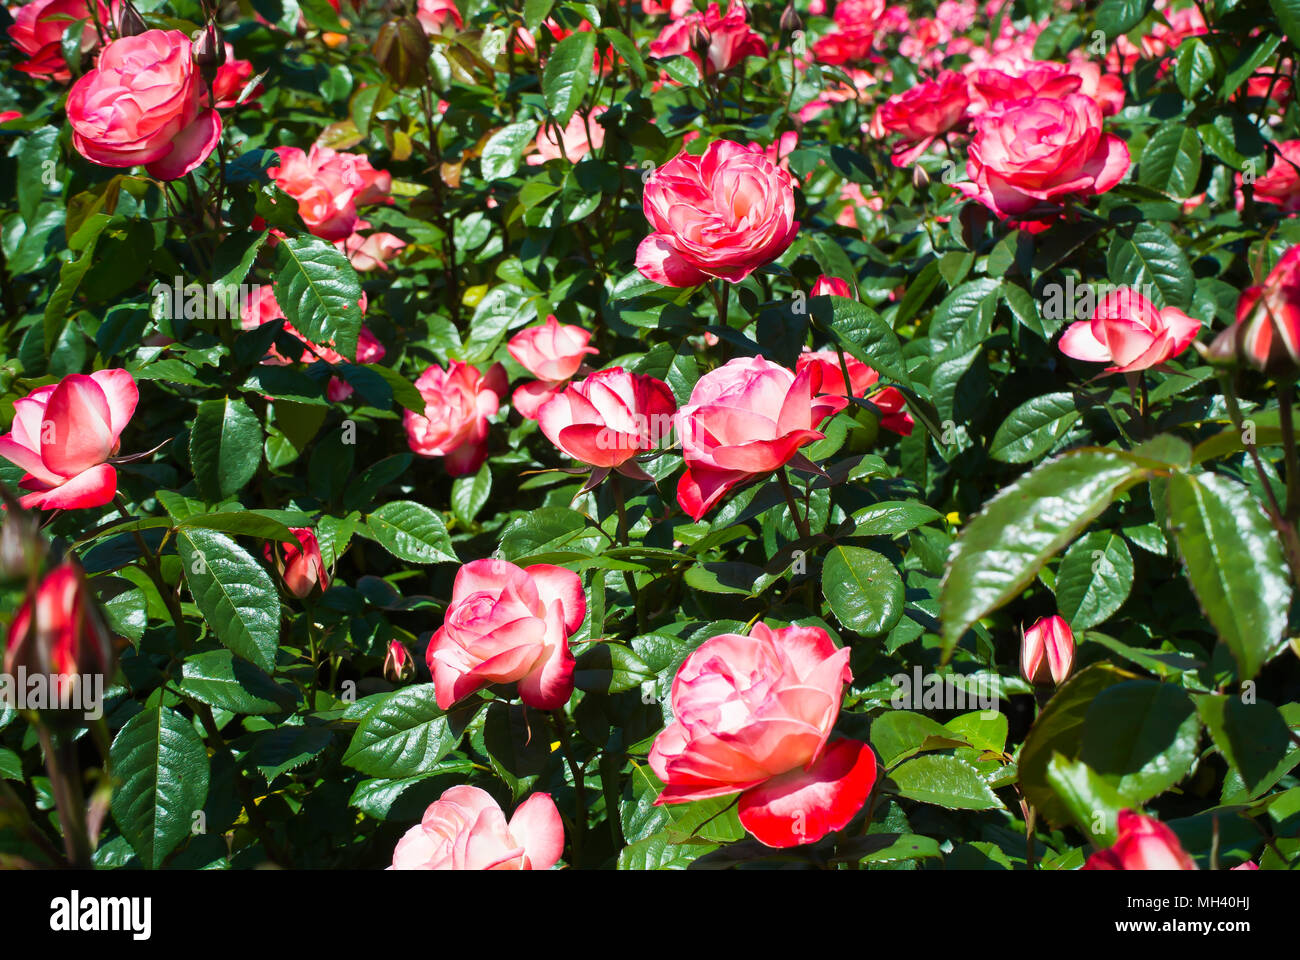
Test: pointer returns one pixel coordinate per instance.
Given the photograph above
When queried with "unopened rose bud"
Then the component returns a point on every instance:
(402, 51)
(920, 179)
(127, 20)
(1223, 350)
(68, 639)
(1047, 652)
(209, 51)
(398, 665)
(303, 570)
(1268, 320)
(699, 41)
(790, 21)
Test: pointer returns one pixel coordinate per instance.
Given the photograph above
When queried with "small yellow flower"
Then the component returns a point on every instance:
(954, 519)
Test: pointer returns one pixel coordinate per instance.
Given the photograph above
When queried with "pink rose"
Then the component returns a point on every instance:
(1106, 88)
(893, 405)
(754, 715)
(142, 104)
(722, 214)
(1031, 78)
(301, 568)
(831, 287)
(458, 402)
(728, 38)
(1027, 155)
(1143, 844)
(609, 417)
(63, 435)
(746, 419)
(573, 138)
(329, 186)
(38, 30)
(370, 251)
(1130, 333)
(552, 353)
(507, 624)
(673, 8)
(1280, 186)
(464, 829)
(922, 112)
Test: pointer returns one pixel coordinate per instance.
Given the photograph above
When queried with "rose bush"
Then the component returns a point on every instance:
(650, 434)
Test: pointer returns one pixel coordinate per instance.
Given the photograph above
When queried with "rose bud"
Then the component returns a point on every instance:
(831, 287)
(302, 568)
(402, 50)
(1268, 318)
(398, 665)
(552, 353)
(789, 21)
(1047, 651)
(1143, 844)
(127, 20)
(70, 639)
(464, 829)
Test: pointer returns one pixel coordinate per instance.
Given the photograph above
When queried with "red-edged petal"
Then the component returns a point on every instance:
(190, 148)
(805, 805)
(556, 583)
(90, 488)
(537, 826)
(658, 260)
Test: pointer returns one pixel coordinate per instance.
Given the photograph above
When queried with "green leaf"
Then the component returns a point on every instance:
(1146, 257)
(1171, 161)
(1141, 738)
(899, 734)
(1034, 428)
(1288, 17)
(1253, 738)
(1234, 564)
(319, 292)
(38, 158)
(1059, 729)
(161, 768)
(1094, 579)
(535, 11)
(287, 747)
(945, 782)
(405, 734)
(245, 523)
(470, 494)
(659, 852)
(1002, 549)
(225, 447)
(220, 680)
(501, 153)
(567, 74)
(891, 519)
(1092, 803)
(233, 592)
(863, 589)
(862, 333)
(411, 532)
(1120, 16)
(548, 535)
(1195, 67)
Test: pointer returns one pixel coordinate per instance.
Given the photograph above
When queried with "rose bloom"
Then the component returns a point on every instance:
(70, 638)
(1047, 651)
(1268, 317)
(722, 214)
(1130, 333)
(63, 435)
(458, 402)
(854, 199)
(831, 287)
(301, 568)
(573, 138)
(436, 14)
(142, 104)
(38, 30)
(838, 91)
(922, 112)
(264, 308)
(1143, 844)
(842, 46)
(1280, 186)
(729, 38)
(1106, 88)
(893, 405)
(232, 76)
(370, 251)
(673, 8)
(329, 186)
(464, 829)
(552, 353)
(609, 417)
(1031, 78)
(754, 715)
(745, 419)
(1029, 154)
(507, 624)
